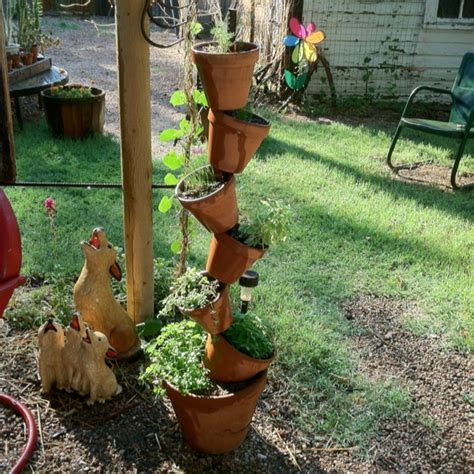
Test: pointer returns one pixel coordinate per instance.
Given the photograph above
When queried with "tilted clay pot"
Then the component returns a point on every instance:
(217, 211)
(227, 364)
(233, 142)
(216, 424)
(216, 317)
(226, 77)
(228, 258)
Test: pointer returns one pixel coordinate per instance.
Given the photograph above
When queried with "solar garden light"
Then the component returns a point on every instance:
(248, 281)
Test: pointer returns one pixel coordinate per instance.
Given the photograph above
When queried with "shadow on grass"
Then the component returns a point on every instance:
(458, 203)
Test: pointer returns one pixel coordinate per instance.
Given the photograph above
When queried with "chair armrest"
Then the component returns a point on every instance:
(424, 88)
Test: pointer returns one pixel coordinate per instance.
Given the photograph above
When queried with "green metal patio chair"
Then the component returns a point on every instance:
(461, 120)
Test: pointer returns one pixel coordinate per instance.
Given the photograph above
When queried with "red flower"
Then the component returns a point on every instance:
(50, 206)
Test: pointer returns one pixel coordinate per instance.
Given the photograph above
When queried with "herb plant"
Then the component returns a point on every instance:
(71, 92)
(192, 290)
(222, 36)
(202, 182)
(176, 356)
(249, 335)
(268, 226)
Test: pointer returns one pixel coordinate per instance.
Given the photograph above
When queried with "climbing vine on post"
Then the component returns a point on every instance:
(185, 137)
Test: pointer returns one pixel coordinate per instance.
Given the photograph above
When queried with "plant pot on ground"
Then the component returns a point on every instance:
(27, 58)
(74, 111)
(233, 252)
(214, 418)
(202, 298)
(234, 137)
(226, 74)
(241, 352)
(210, 197)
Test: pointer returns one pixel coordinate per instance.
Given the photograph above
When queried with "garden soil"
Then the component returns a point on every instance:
(136, 432)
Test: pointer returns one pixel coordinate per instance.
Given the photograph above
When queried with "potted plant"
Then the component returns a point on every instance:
(234, 137)
(214, 418)
(210, 197)
(74, 111)
(241, 352)
(225, 69)
(202, 298)
(232, 253)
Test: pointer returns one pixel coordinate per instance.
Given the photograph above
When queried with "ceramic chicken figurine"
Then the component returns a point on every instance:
(95, 301)
(103, 384)
(51, 366)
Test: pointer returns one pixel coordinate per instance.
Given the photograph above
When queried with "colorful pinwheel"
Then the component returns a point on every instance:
(304, 40)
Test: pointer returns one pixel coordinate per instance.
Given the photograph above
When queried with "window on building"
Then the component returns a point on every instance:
(449, 13)
(456, 9)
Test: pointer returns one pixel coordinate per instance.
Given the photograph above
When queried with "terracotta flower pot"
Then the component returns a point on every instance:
(10, 64)
(219, 424)
(233, 142)
(226, 77)
(27, 59)
(227, 364)
(75, 117)
(228, 258)
(16, 61)
(216, 317)
(34, 52)
(217, 211)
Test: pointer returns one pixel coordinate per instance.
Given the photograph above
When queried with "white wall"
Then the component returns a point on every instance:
(383, 48)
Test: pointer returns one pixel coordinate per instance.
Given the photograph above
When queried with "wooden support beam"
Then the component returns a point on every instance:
(133, 58)
(7, 148)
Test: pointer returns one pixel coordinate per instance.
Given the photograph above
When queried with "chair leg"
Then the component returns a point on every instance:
(457, 161)
(392, 147)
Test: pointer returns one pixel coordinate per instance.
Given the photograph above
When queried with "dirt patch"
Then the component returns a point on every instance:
(440, 437)
(432, 174)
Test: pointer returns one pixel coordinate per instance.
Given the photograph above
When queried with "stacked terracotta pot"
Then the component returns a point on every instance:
(220, 424)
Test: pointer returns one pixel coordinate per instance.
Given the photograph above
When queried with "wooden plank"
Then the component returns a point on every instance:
(26, 72)
(7, 160)
(133, 59)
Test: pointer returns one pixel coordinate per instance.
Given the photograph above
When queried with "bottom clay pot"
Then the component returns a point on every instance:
(216, 424)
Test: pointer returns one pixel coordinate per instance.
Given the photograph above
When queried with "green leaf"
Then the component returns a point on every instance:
(172, 161)
(184, 126)
(165, 204)
(170, 134)
(178, 98)
(195, 28)
(171, 179)
(295, 82)
(200, 98)
(176, 246)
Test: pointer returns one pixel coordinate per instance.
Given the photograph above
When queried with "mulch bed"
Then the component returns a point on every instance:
(439, 382)
(136, 432)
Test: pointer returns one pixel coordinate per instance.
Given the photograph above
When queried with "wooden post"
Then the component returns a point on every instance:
(7, 149)
(133, 58)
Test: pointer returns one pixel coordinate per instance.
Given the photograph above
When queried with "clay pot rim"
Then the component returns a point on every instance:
(221, 290)
(226, 118)
(197, 49)
(190, 396)
(239, 246)
(241, 354)
(96, 93)
(228, 176)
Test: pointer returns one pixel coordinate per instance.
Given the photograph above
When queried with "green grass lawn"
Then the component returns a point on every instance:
(355, 230)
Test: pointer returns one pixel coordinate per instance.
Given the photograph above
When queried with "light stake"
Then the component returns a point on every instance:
(248, 281)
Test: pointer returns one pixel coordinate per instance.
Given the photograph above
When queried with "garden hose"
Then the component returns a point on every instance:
(31, 430)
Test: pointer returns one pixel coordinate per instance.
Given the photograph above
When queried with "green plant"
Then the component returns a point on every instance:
(176, 356)
(202, 183)
(268, 226)
(191, 290)
(250, 336)
(71, 92)
(222, 36)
